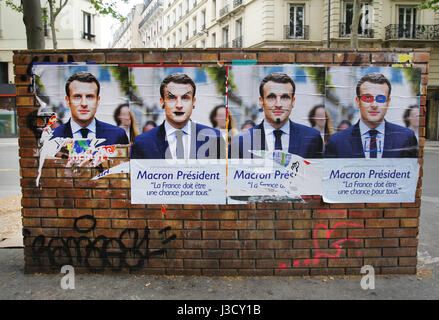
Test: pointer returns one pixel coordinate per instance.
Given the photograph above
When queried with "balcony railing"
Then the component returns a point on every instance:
(237, 42)
(237, 3)
(296, 33)
(150, 13)
(345, 31)
(225, 45)
(195, 32)
(224, 10)
(413, 32)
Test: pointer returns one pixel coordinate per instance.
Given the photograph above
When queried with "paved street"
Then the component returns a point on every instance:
(15, 285)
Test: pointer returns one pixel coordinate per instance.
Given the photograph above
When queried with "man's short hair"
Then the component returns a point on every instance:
(81, 76)
(374, 77)
(180, 78)
(278, 77)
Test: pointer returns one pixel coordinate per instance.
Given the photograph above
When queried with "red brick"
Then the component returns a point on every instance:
(256, 254)
(29, 162)
(73, 213)
(181, 253)
(116, 214)
(193, 224)
(256, 272)
(293, 234)
(279, 224)
(25, 101)
(92, 203)
(399, 270)
(38, 193)
(239, 225)
(362, 252)
(230, 56)
(57, 203)
(408, 262)
(276, 57)
(401, 233)
(310, 243)
(183, 214)
(22, 59)
(38, 212)
(256, 214)
(274, 205)
(110, 193)
(201, 244)
(73, 193)
(382, 223)
(293, 254)
(402, 213)
(238, 244)
(124, 203)
(308, 224)
(157, 57)
(311, 57)
(299, 214)
(29, 202)
(272, 263)
(345, 262)
(220, 234)
(119, 183)
(198, 57)
(348, 58)
(197, 263)
(124, 57)
(398, 252)
(220, 254)
(96, 57)
(235, 263)
(365, 233)
(56, 183)
(57, 223)
(160, 224)
(256, 234)
(381, 243)
(329, 213)
(421, 57)
(327, 271)
(123, 224)
(409, 223)
(409, 242)
(274, 244)
(73, 173)
(381, 262)
(31, 222)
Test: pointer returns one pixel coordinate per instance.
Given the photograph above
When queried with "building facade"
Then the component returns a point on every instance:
(77, 25)
(127, 35)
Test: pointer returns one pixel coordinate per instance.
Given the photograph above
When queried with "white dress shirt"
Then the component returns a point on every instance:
(365, 139)
(171, 137)
(270, 138)
(76, 129)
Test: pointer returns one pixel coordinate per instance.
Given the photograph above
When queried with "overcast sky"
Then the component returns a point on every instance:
(109, 24)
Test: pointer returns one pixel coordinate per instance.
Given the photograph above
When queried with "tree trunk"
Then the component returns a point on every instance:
(33, 20)
(52, 25)
(355, 23)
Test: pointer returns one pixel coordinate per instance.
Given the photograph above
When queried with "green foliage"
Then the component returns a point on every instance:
(101, 6)
(430, 4)
(218, 75)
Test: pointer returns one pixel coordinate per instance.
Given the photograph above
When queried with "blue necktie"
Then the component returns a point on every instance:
(373, 143)
(278, 140)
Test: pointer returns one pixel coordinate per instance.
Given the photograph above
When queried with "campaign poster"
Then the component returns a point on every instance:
(179, 152)
(81, 105)
(372, 149)
(276, 144)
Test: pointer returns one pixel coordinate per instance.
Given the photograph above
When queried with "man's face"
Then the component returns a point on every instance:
(373, 112)
(178, 103)
(277, 102)
(83, 101)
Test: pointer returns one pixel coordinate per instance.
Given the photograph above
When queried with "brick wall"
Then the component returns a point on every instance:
(93, 226)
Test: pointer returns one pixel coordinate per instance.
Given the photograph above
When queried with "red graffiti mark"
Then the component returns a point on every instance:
(283, 266)
(307, 162)
(163, 209)
(336, 244)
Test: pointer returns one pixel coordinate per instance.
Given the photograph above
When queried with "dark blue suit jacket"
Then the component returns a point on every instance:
(111, 134)
(399, 142)
(153, 144)
(304, 141)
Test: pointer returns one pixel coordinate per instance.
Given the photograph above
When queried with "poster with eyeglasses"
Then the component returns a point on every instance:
(372, 148)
